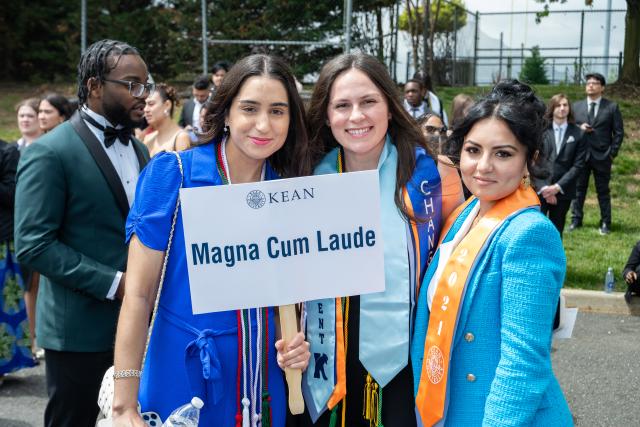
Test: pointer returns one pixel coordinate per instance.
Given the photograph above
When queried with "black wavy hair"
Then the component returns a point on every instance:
(60, 103)
(98, 61)
(520, 109)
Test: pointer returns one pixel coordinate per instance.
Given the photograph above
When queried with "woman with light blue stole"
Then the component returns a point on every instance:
(227, 359)
(360, 372)
(482, 340)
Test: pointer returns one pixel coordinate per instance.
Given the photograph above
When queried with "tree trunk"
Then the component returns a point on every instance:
(426, 9)
(630, 72)
(393, 25)
(433, 32)
(380, 34)
(412, 32)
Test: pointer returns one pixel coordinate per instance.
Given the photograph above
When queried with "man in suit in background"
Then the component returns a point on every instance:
(601, 122)
(565, 153)
(190, 115)
(413, 102)
(74, 189)
(434, 103)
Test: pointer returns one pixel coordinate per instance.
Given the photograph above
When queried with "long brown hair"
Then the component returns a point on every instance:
(293, 159)
(404, 132)
(553, 103)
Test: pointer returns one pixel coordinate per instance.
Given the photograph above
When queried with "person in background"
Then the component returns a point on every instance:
(158, 111)
(413, 102)
(53, 110)
(27, 111)
(13, 316)
(459, 108)
(204, 126)
(631, 273)
(435, 133)
(218, 71)
(75, 185)
(190, 115)
(601, 122)
(433, 101)
(565, 152)
(481, 350)
(357, 122)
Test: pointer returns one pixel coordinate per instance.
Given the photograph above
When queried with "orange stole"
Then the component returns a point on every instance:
(340, 389)
(432, 390)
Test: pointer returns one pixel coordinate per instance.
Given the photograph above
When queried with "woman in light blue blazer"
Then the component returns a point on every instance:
(481, 346)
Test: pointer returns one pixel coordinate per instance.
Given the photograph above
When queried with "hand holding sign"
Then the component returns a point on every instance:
(321, 231)
(293, 351)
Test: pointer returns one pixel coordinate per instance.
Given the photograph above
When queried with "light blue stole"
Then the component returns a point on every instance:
(384, 316)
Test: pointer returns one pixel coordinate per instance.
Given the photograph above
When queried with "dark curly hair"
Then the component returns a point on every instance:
(168, 93)
(515, 104)
(98, 61)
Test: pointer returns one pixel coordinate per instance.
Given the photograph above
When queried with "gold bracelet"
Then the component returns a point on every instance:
(127, 373)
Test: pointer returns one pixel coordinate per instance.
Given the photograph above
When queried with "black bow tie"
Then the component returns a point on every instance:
(111, 134)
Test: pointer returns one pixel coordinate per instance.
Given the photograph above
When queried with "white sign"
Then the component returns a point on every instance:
(281, 242)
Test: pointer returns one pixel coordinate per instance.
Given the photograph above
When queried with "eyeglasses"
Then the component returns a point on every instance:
(593, 83)
(435, 129)
(137, 90)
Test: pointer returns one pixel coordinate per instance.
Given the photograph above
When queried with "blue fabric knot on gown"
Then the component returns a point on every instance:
(203, 366)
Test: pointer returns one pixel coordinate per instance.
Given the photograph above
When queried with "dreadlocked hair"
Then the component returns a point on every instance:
(95, 62)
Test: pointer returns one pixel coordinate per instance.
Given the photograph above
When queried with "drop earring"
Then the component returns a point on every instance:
(225, 130)
(526, 182)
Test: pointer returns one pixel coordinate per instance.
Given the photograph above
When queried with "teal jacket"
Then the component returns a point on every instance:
(500, 371)
(70, 213)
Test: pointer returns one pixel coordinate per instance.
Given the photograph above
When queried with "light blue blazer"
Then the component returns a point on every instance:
(500, 371)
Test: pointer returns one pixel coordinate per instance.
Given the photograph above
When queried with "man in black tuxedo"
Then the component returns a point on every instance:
(74, 189)
(565, 153)
(190, 115)
(601, 121)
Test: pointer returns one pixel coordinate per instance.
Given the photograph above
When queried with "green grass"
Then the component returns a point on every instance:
(588, 253)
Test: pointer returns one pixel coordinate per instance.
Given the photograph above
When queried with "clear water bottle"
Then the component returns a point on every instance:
(609, 282)
(185, 416)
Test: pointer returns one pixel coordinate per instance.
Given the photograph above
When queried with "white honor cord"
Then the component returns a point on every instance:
(254, 390)
(245, 384)
(252, 394)
(226, 164)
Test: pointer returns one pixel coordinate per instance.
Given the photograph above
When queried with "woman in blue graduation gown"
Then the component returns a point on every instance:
(256, 132)
(361, 343)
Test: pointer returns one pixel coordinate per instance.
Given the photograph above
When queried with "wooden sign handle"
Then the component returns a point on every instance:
(289, 329)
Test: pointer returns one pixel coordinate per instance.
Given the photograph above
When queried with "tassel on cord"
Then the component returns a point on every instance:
(334, 417)
(246, 422)
(372, 404)
(266, 409)
(366, 400)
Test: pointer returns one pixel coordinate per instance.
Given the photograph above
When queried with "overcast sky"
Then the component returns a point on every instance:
(556, 30)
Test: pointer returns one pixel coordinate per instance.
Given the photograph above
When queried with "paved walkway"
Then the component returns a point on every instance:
(598, 369)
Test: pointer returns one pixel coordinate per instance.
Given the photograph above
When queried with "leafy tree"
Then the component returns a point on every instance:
(533, 71)
(42, 41)
(443, 21)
